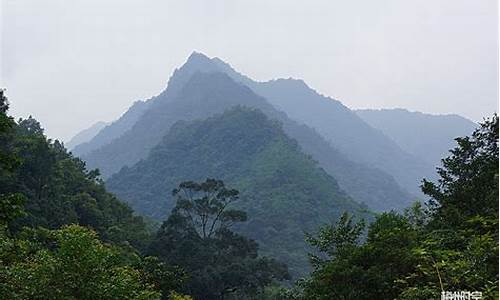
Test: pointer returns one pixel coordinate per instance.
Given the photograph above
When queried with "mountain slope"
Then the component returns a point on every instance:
(192, 95)
(114, 130)
(426, 136)
(85, 135)
(337, 124)
(282, 189)
(125, 123)
(202, 96)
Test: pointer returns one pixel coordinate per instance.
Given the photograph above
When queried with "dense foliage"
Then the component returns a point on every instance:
(450, 245)
(56, 188)
(43, 188)
(197, 236)
(283, 191)
(63, 236)
(68, 263)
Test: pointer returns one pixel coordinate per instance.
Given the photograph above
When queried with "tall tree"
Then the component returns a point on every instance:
(197, 237)
(451, 245)
(459, 249)
(10, 202)
(206, 206)
(468, 183)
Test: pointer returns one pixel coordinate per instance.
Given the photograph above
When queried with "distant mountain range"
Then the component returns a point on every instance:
(113, 130)
(335, 122)
(299, 158)
(185, 99)
(377, 156)
(363, 155)
(85, 135)
(428, 137)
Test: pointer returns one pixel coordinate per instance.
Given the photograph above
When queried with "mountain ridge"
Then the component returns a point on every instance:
(281, 188)
(329, 116)
(427, 136)
(208, 93)
(343, 127)
(114, 129)
(85, 135)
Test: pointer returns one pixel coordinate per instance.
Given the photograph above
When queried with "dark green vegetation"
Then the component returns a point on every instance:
(58, 190)
(42, 189)
(283, 191)
(197, 236)
(450, 245)
(63, 236)
(200, 89)
(69, 263)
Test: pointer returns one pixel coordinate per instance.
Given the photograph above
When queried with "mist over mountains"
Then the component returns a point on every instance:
(370, 185)
(428, 137)
(310, 151)
(353, 150)
(299, 158)
(85, 135)
(114, 130)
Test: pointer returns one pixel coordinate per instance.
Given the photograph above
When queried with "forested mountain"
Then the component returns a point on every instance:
(191, 95)
(43, 190)
(114, 130)
(85, 135)
(451, 244)
(283, 190)
(336, 123)
(63, 236)
(58, 190)
(428, 137)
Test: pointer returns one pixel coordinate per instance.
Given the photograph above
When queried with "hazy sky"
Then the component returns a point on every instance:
(73, 63)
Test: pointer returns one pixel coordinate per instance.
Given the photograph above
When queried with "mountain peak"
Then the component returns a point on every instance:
(198, 58)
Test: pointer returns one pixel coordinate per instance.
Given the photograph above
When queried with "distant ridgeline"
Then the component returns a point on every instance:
(299, 158)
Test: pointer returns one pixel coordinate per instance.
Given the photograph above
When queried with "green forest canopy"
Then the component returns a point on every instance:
(63, 236)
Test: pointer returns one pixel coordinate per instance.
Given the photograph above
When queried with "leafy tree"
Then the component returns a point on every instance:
(164, 277)
(468, 183)
(41, 184)
(360, 271)
(10, 202)
(55, 189)
(334, 240)
(197, 237)
(450, 245)
(205, 206)
(69, 263)
(459, 250)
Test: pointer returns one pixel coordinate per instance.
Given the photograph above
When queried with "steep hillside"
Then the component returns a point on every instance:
(114, 130)
(426, 136)
(192, 95)
(337, 124)
(58, 190)
(282, 189)
(85, 135)
(202, 96)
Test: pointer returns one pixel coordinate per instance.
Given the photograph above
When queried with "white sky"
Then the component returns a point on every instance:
(73, 63)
